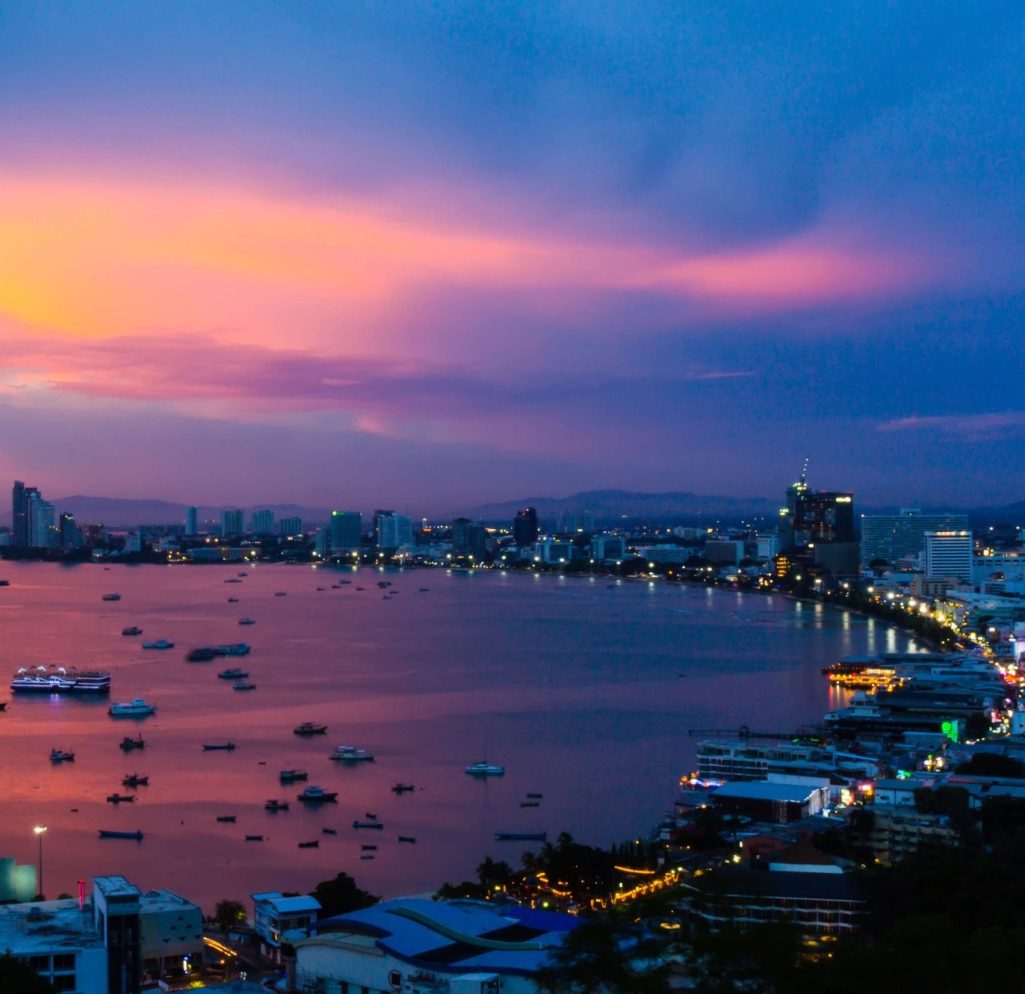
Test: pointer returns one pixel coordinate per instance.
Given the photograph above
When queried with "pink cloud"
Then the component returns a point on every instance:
(972, 426)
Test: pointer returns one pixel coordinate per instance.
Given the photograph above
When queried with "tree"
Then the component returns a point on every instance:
(341, 895)
(229, 914)
(494, 873)
(18, 978)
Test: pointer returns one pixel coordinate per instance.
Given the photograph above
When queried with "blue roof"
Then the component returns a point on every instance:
(459, 936)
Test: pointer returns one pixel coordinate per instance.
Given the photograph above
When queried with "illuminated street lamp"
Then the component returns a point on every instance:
(40, 830)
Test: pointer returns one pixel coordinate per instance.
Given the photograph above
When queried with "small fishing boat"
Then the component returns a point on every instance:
(367, 855)
(136, 708)
(530, 804)
(254, 838)
(317, 795)
(329, 831)
(407, 838)
(242, 685)
(127, 744)
(203, 654)
(275, 805)
(223, 747)
(227, 818)
(280, 593)
(247, 621)
(232, 600)
(291, 776)
(402, 788)
(351, 754)
(369, 848)
(132, 630)
(310, 845)
(106, 833)
(111, 597)
(235, 673)
(483, 769)
(134, 780)
(535, 796)
(120, 798)
(158, 644)
(60, 756)
(521, 836)
(367, 824)
(310, 728)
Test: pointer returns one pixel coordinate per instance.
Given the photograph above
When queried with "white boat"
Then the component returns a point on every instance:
(483, 769)
(60, 680)
(137, 708)
(351, 754)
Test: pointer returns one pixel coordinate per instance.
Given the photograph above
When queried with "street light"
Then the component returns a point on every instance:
(40, 830)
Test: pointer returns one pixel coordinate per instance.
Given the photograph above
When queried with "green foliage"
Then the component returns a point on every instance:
(756, 959)
(229, 914)
(341, 895)
(17, 978)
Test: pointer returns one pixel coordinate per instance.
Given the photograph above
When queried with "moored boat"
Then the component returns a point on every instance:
(483, 769)
(111, 597)
(106, 833)
(351, 754)
(309, 845)
(158, 644)
(227, 818)
(242, 685)
(521, 836)
(235, 673)
(202, 654)
(367, 824)
(120, 798)
(275, 805)
(407, 838)
(317, 795)
(131, 630)
(310, 728)
(291, 776)
(254, 838)
(233, 649)
(134, 780)
(220, 746)
(246, 621)
(60, 756)
(127, 744)
(136, 708)
(402, 788)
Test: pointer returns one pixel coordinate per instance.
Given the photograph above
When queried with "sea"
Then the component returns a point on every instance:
(589, 691)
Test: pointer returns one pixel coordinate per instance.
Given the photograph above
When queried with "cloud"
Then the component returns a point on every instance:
(968, 426)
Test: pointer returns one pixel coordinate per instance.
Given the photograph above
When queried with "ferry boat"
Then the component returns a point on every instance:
(351, 754)
(158, 644)
(60, 680)
(136, 708)
(317, 795)
(483, 769)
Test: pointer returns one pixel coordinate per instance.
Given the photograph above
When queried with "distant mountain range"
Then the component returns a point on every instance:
(607, 506)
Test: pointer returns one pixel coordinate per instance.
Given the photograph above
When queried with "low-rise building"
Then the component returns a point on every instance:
(780, 801)
(890, 833)
(278, 919)
(430, 947)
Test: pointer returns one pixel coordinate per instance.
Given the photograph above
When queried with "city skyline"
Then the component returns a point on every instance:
(439, 256)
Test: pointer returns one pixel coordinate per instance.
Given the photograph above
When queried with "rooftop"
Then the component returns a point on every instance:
(115, 886)
(759, 790)
(282, 904)
(44, 926)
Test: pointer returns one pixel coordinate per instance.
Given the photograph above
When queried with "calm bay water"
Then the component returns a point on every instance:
(583, 689)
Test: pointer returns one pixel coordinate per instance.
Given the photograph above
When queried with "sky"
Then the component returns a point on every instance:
(431, 254)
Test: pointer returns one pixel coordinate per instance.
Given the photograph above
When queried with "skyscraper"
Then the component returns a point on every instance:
(21, 526)
(233, 522)
(949, 554)
(346, 531)
(288, 527)
(261, 522)
(896, 536)
(191, 521)
(392, 531)
(821, 523)
(42, 531)
(525, 529)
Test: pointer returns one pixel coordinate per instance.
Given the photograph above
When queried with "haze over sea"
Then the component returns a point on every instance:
(584, 689)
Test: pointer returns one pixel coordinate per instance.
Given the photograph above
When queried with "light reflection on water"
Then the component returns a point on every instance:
(585, 690)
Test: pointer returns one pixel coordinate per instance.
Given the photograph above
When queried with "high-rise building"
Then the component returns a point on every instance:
(262, 522)
(42, 529)
(892, 537)
(821, 523)
(19, 515)
(290, 527)
(233, 522)
(70, 534)
(191, 521)
(392, 531)
(461, 536)
(608, 547)
(949, 554)
(525, 529)
(575, 522)
(346, 531)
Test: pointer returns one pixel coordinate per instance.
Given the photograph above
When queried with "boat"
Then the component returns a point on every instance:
(5, 583)
(310, 845)
(132, 630)
(235, 673)
(233, 649)
(247, 621)
(329, 831)
(280, 593)
(120, 798)
(202, 655)
(243, 573)
(367, 824)
(127, 744)
(223, 747)
(158, 644)
(60, 756)
(535, 796)
(350, 754)
(254, 838)
(290, 776)
(310, 728)
(60, 680)
(370, 816)
(530, 804)
(3, 705)
(423, 590)
(233, 580)
(402, 788)
(136, 708)
(521, 836)
(370, 848)
(106, 833)
(483, 769)
(275, 805)
(134, 780)
(241, 685)
(317, 795)
(367, 855)
(232, 600)
(111, 597)
(227, 818)
(407, 838)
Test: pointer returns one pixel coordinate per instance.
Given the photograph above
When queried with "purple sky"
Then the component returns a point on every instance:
(434, 254)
